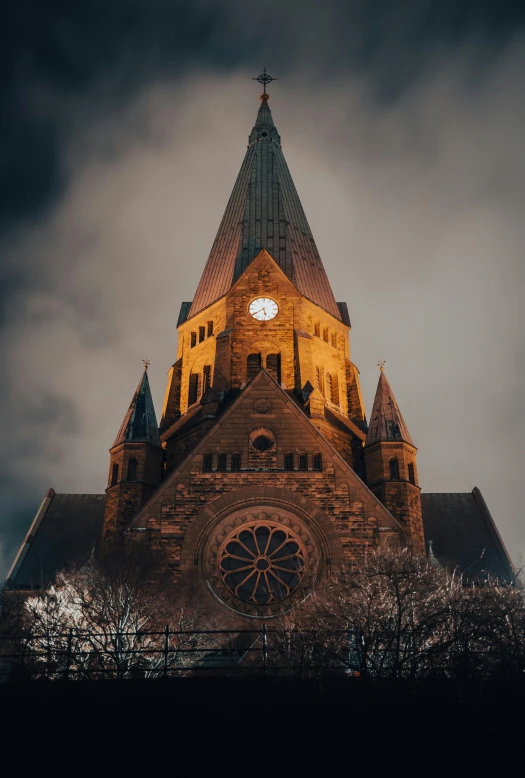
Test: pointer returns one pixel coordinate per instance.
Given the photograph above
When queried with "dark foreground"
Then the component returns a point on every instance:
(281, 720)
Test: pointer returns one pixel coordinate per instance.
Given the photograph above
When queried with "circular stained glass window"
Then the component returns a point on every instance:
(261, 563)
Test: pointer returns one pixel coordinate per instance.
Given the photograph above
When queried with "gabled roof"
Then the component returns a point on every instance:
(464, 536)
(264, 212)
(139, 522)
(386, 421)
(63, 531)
(140, 422)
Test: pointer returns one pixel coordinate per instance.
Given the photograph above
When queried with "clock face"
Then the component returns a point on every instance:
(263, 309)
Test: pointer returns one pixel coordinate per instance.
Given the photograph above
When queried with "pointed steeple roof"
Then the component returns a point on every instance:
(140, 422)
(386, 421)
(264, 212)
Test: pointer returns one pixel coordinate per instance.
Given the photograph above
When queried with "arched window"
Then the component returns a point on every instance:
(318, 462)
(222, 462)
(288, 461)
(273, 366)
(132, 469)
(411, 473)
(114, 475)
(394, 469)
(208, 462)
(253, 365)
(236, 461)
(303, 461)
(193, 390)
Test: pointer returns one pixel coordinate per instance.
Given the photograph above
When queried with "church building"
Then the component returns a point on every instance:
(264, 474)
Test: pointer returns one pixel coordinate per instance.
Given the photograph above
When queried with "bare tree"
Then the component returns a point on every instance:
(396, 615)
(117, 615)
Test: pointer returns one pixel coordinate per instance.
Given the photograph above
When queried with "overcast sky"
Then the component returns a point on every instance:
(124, 127)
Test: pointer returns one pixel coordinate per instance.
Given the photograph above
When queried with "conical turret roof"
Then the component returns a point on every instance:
(386, 421)
(264, 212)
(140, 422)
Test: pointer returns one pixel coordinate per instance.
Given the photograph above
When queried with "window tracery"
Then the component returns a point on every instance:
(262, 563)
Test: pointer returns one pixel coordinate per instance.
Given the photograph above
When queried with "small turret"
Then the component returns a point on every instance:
(136, 461)
(390, 461)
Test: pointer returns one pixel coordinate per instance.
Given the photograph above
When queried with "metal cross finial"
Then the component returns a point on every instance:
(381, 364)
(264, 79)
(147, 363)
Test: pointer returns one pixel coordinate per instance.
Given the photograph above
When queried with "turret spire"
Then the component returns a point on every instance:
(140, 422)
(386, 421)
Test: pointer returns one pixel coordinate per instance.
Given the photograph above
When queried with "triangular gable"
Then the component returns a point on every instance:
(273, 392)
(262, 258)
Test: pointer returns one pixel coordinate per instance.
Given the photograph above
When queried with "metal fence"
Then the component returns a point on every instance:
(169, 653)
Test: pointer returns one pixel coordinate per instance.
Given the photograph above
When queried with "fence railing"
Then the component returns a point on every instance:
(78, 654)
(82, 655)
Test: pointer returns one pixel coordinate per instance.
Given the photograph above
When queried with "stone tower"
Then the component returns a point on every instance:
(263, 427)
(390, 459)
(136, 461)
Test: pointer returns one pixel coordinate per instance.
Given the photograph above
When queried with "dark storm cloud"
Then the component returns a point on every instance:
(402, 123)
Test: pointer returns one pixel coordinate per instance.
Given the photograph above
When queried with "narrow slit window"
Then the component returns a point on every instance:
(411, 473)
(303, 461)
(132, 469)
(193, 339)
(236, 461)
(210, 329)
(317, 329)
(288, 461)
(273, 366)
(114, 475)
(202, 334)
(325, 334)
(253, 365)
(328, 385)
(318, 462)
(394, 469)
(222, 463)
(335, 390)
(206, 378)
(208, 462)
(334, 339)
(193, 388)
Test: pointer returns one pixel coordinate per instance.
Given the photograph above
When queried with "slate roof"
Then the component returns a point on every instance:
(66, 527)
(63, 531)
(264, 212)
(386, 421)
(140, 422)
(464, 536)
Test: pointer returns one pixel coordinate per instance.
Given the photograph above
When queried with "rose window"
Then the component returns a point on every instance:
(262, 563)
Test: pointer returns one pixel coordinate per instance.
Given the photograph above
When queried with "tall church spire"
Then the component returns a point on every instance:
(264, 212)
(386, 421)
(140, 422)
